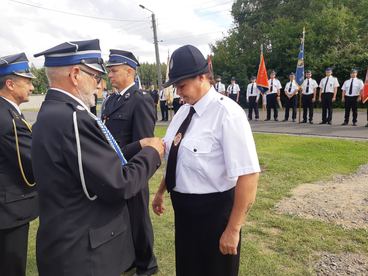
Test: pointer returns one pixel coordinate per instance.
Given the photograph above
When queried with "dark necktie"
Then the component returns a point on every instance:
(170, 178)
(307, 90)
(251, 91)
(291, 84)
(351, 87)
(217, 87)
(271, 85)
(324, 90)
(232, 89)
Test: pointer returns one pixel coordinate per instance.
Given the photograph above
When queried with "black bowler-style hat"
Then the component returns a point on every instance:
(186, 62)
(15, 65)
(86, 52)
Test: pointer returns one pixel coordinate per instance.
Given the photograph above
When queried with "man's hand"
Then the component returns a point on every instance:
(229, 242)
(158, 203)
(313, 100)
(154, 142)
(334, 99)
(342, 99)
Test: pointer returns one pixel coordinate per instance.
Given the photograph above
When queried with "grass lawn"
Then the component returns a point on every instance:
(274, 244)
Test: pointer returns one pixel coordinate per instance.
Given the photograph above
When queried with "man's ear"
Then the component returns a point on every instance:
(74, 75)
(9, 83)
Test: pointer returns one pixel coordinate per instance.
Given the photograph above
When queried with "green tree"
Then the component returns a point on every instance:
(335, 36)
(40, 83)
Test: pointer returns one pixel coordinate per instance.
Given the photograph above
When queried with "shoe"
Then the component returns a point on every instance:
(285, 120)
(267, 119)
(344, 124)
(303, 122)
(329, 123)
(366, 125)
(276, 120)
(354, 124)
(322, 123)
(311, 122)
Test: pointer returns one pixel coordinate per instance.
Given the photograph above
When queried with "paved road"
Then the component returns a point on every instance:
(334, 130)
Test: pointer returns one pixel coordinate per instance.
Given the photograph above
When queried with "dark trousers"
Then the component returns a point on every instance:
(253, 105)
(327, 107)
(307, 107)
(176, 104)
(164, 110)
(233, 96)
(13, 250)
(142, 231)
(351, 104)
(290, 104)
(200, 221)
(272, 104)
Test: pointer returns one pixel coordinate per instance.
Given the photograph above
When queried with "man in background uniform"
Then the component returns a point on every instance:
(328, 90)
(130, 117)
(291, 92)
(83, 177)
(163, 105)
(18, 195)
(309, 92)
(351, 91)
(233, 90)
(252, 99)
(219, 86)
(272, 96)
(177, 101)
(154, 95)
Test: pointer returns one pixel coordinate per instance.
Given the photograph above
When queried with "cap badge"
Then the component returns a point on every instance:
(79, 107)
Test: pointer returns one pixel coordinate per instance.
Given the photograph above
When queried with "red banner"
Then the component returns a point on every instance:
(262, 78)
(365, 90)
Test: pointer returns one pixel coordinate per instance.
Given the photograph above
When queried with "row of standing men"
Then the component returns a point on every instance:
(352, 90)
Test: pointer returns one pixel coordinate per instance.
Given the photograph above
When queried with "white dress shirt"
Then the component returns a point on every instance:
(220, 87)
(357, 87)
(276, 85)
(252, 92)
(294, 87)
(162, 95)
(233, 89)
(217, 148)
(13, 104)
(312, 85)
(332, 83)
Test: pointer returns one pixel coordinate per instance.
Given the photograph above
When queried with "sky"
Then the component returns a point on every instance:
(32, 26)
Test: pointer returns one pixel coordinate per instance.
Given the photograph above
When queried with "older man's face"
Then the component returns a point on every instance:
(89, 85)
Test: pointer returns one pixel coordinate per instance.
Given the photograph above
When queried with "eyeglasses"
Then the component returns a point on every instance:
(98, 78)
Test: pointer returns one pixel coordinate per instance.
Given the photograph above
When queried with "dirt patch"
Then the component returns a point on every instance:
(342, 264)
(343, 200)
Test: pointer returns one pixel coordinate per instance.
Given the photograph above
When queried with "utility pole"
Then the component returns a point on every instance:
(155, 41)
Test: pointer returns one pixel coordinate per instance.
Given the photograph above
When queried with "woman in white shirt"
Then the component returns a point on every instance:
(212, 171)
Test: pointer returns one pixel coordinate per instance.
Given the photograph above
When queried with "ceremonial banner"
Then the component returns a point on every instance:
(262, 78)
(300, 66)
(365, 90)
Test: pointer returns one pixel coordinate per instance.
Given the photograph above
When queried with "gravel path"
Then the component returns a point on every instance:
(343, 200)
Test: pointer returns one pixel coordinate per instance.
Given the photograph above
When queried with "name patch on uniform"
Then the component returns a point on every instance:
(177, 139)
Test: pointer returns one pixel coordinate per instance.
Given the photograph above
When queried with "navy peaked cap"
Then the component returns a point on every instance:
(120, 57)
(15, 65)
(86, 52)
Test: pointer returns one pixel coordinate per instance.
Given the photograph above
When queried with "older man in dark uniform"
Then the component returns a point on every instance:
(130, 116)
(83, 176)
(18, 195)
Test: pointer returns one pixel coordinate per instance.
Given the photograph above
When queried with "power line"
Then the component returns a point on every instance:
(76, 14)
(193, 35)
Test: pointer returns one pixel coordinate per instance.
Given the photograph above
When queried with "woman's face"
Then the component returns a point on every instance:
(189, 89)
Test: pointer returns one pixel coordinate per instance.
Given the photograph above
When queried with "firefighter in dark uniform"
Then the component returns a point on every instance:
(18, 195)
(83, 177)
(130, 116)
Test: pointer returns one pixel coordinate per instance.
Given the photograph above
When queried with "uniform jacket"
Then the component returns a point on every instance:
(18, 201)
(132, 117)
(77, 236)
